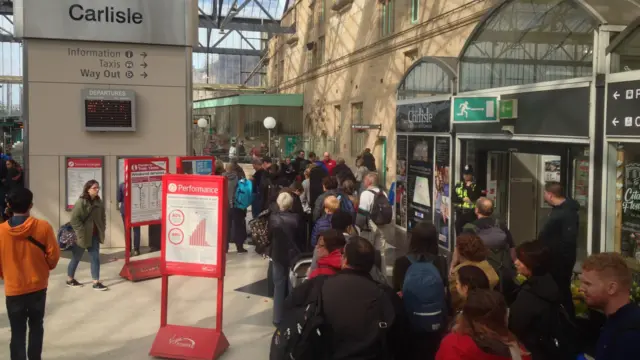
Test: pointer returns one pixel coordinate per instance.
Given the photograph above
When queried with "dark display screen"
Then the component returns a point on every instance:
(108, 113)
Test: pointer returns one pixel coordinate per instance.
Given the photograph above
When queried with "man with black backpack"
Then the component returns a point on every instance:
(497, 238)
(374, 217)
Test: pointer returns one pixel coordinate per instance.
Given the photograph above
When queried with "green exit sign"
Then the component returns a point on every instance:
(475, 109)
(509, 109)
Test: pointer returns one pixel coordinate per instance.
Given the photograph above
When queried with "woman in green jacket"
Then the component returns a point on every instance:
(88, 220)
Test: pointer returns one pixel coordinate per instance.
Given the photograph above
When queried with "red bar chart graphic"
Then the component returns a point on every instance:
(199, 234)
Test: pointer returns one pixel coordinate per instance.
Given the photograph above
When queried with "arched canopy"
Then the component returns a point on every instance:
(529, 41)
(428, 76)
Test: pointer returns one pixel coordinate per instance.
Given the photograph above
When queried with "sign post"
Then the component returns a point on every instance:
(193, 226)
(623, 108)
(473, 110)
(143, 206)
(195, 165)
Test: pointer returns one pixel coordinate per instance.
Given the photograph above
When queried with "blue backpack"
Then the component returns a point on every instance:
(424, 296)
(346, 205)
(244, 194)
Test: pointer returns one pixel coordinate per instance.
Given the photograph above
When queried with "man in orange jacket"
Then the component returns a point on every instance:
(25, 282)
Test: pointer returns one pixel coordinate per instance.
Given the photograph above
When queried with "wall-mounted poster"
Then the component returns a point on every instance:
(581, 181)
(419, 179)
(401, 181)
(424, 117)
(442, 202)
(630, 244)
(550, 170)
(79, 171)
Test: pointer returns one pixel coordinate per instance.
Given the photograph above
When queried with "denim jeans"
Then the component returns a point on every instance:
(22, 310)
(136, 235)
(94, 255)
(281, 287)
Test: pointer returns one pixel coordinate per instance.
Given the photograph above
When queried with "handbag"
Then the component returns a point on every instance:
(259, 228)
(67, 237)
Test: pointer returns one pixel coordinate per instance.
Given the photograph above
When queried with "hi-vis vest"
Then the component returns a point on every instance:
(461, 191)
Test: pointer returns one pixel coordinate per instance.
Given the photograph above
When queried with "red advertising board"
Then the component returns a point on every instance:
(143, 206)
(79, 171)
(194, 218)
(196, 165)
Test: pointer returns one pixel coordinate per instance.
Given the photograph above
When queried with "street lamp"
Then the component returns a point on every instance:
(201, 138)
(269, 124)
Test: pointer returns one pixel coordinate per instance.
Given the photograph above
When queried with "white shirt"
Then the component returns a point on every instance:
(232, 151)
(366, 199)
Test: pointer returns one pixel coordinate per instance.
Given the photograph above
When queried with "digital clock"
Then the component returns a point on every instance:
(109, 110)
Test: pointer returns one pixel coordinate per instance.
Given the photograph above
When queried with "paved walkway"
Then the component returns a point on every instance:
(121, 323)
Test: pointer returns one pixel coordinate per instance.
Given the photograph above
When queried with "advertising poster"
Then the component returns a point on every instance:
(581, 181)
(550, 173)
(442, 202)
(401, 181)
(419, 179)
(144, 182)
(79, 171)
(630, 244)
(424, 117)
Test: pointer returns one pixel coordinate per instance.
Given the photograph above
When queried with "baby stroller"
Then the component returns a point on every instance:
(299, 269)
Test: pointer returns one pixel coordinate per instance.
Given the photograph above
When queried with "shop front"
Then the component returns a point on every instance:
(621, 148)
(531, 94)
(424, 147)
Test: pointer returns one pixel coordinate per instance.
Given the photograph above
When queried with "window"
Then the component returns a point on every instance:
(338, 118)
(320, 51)
(415, 8)
(323, 6)
(358, 137)
(310, 55)
(281, 72)
(386, 18)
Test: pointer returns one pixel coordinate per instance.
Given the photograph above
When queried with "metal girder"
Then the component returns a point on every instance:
(236, 87)
(245, 24)
(227, 51)
(8, 38)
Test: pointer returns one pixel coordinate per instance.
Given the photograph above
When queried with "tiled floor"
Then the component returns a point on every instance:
(121, 323)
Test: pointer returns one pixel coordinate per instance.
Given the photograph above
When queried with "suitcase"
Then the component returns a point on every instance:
(299, 269)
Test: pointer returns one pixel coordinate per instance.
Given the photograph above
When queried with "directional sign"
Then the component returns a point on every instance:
(623, 108)
(475, 109)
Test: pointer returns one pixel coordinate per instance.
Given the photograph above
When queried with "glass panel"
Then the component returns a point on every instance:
(627, 54)
(424, 79)
(579, 191)
(626, 212)
(529, 41)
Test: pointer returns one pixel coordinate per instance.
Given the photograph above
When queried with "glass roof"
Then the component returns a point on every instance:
(253, 9)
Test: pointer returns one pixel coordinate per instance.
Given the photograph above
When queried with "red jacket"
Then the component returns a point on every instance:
(328, 265)
(331, 164)
(462, 347)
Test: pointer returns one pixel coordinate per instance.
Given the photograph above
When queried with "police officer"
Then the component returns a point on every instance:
(464, 199)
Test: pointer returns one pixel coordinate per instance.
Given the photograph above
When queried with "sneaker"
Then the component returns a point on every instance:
(73, 283)
(135, 253)
(99, 287)
(242, 251)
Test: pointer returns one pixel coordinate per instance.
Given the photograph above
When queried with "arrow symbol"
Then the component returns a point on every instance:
(144, 65)
(144, 54)
(616, 95)
(144, 75)
(615, 121)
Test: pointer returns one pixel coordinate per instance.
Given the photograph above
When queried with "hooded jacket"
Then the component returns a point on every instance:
(23, 265)
(457, 346)
(532, 312)
(560, 234)
(232, 182)
(328, 265)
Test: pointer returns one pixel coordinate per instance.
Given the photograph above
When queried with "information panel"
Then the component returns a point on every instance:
(193, 225)
(143, 189)
(196, 165)
(79, 171)
(109, 110)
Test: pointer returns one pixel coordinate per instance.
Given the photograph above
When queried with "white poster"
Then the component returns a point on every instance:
(191, 227)
(550, 173)
(146, 191)
(79, 171)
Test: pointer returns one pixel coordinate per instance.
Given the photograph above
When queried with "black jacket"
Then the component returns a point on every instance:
(530, 316)
(560, 235)
(369, 161)
(352, 314)
(343, 173)
(285, 231)
(315, 184)
(318, 208)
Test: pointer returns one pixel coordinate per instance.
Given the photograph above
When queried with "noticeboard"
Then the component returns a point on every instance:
(143, 189)
(193, 224)
(623, 109)
(195, 165)
(79, 170)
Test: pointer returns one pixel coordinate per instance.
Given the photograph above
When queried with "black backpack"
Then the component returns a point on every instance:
(559, 341)
(301, 335)
(381, 211)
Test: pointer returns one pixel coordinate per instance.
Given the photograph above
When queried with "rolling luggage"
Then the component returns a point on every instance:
(299, 269)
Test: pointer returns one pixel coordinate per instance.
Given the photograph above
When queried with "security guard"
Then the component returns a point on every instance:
(464, 199)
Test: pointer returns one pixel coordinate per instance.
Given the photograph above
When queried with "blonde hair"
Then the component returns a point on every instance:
(284, 201)
(610, 265)
(332, 204)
